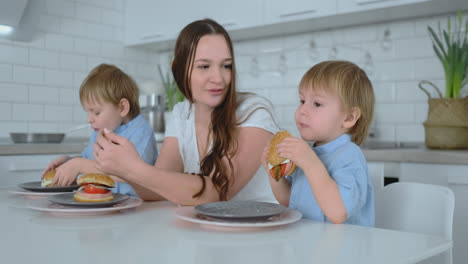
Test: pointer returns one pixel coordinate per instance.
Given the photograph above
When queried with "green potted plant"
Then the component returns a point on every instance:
(447, 124)
(173, 94)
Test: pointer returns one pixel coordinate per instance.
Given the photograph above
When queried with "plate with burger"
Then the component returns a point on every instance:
(45, 185)
(278, 167)
(94, 191)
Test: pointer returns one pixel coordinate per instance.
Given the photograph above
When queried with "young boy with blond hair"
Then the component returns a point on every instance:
(110, 98)
(335, 112)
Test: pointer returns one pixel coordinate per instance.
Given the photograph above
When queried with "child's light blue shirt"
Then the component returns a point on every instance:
(140, 133)
(347, 165)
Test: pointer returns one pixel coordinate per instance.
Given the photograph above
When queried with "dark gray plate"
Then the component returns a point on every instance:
(67, 200)
(36, 187)
(240, 210)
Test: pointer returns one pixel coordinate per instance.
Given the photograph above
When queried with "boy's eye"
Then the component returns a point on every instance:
(317, 104)
(228, 66)
(97, 113)
(301, 101)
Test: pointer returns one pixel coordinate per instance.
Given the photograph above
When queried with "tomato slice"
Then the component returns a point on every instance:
(89, 188)
(283, 169)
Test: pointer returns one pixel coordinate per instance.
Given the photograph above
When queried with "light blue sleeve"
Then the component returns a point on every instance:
(352, 191)
(87, 152)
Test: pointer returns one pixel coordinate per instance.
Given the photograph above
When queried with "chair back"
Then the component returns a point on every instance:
(418, 208)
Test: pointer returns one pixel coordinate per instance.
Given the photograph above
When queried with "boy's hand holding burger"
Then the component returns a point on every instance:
(277, 166)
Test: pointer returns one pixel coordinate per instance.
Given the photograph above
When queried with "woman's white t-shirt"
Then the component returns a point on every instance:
(182, 126)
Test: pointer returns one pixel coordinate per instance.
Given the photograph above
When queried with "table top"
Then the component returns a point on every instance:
(151, 233)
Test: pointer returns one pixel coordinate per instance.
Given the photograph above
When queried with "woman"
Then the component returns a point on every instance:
(214, 141)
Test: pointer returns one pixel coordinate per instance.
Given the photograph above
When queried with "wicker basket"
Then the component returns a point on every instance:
(446, 126)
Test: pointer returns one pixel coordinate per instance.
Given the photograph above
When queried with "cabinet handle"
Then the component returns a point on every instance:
(305, 12)
(152, 36)
(365, 2)
(457, 179)
(228, 24)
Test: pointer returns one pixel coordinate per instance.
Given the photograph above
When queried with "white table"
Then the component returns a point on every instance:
(152, 234)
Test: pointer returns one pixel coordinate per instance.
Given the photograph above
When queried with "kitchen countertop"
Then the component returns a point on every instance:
(152, 233)
(69, 145)
(415, 152)
(417, 155)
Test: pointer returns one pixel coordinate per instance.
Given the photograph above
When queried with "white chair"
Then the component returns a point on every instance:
(419, 208)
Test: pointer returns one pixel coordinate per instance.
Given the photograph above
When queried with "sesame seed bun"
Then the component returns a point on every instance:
(273, 157)
(96, 178)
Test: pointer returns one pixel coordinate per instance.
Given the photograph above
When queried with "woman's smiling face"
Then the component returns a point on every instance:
(211, 71)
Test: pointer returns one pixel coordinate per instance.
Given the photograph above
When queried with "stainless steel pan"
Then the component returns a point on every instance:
(37, 137)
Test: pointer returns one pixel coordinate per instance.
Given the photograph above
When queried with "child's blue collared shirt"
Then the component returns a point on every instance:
(347, 165)
(140, 133)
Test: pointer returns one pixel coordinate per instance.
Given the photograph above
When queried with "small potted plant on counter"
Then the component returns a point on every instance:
(446, 126)
(173, 94)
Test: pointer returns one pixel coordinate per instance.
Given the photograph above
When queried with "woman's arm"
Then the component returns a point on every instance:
(166, 178)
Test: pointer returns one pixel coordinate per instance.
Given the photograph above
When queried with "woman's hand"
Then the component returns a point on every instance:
(114, 154)
(296, 150)
(54, 164)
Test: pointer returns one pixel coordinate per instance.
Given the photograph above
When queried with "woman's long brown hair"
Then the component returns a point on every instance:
(223, 118)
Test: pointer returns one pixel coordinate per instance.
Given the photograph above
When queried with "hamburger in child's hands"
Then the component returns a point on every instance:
(279, 167)
(48, 178)
(94, 188)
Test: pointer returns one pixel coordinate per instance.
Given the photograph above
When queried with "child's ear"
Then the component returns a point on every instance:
(124, 107)
(352, 117)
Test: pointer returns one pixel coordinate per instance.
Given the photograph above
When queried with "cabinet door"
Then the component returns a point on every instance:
(152, 21)
(283, 11)
(23, 168)
(232, 14)
(348, 6)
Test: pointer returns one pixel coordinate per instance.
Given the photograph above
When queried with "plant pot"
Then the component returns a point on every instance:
(445, 137)
(446, 126)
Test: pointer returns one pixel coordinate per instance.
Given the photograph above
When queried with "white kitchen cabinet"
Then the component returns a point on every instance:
(284, 11)
(349, 6)
(155, 21)
(16, 169)
(456, 178)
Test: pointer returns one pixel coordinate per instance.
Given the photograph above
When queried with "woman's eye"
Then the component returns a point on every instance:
(228, 66)
(203, 67)
(97, 113)
(301, 101)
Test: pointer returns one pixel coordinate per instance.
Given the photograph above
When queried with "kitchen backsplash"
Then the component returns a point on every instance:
(39, 81)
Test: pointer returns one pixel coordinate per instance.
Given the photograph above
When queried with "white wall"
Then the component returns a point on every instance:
(39, 80)
(395, 68)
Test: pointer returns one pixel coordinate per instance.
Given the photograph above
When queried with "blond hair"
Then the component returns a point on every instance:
(110, 84)
(351, 84)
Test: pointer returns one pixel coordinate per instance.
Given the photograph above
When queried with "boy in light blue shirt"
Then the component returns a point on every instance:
(331, 183)
(110, 97)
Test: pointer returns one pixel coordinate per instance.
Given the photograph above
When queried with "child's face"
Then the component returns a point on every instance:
(211, 71)
(103, 115)
(320, 116)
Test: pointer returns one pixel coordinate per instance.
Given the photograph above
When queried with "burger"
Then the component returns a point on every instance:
(279, 167)
(94, 188)
(47, 179)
